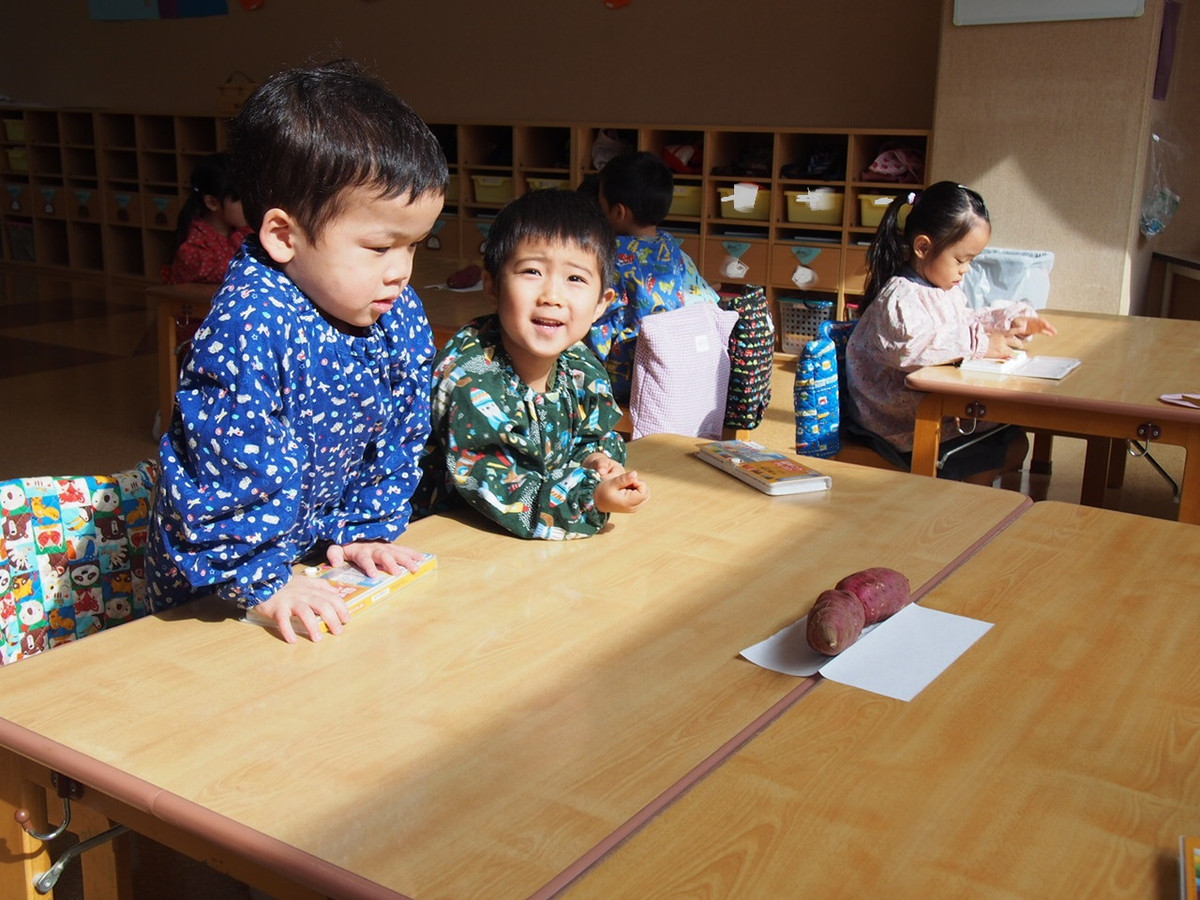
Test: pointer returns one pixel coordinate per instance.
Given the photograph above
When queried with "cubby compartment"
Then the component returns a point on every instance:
(78, 129)
(50, 239)
(50, 200)
(86, 247)
(805, 266)
(812, 157)
(681, 149)
(122, 207)
(123, 252)
(160, 210)
(196, 135)
(489, 146)
(117, 130)
(736, 258)
(19, 243)
(156, 133)
(15, 196)
(742, 155)
(597, 144)
(83, 203)
(544, 147)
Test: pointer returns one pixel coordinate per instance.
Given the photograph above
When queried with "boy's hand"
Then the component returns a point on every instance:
(373, 557)
(313, 601)
(603, 465)
(624, 493)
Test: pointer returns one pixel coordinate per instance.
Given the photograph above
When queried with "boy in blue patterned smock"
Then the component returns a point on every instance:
(303, 409)
(653, 273)
(523, 416)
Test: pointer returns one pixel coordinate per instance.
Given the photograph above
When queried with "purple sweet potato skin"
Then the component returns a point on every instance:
(882, 591)
(835, 622)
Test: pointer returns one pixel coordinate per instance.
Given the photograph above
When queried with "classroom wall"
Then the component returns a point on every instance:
(1177, 120)
(1051, 122)
(859, 63)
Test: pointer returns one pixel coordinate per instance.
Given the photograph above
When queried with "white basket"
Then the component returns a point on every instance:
(800, 321)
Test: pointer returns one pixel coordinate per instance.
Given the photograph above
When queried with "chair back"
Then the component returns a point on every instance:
(72, 556)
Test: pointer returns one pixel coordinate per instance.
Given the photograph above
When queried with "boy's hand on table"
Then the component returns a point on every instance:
(373, 557)
(603, 465)
(624, 493)
(313, 601)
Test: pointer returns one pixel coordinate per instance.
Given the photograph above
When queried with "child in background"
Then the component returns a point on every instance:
(211, 225)
(914, 313)
(304, 406)
(523, 415)
(653, 273)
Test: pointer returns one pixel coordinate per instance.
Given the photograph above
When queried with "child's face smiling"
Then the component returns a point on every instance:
(363, 258)
(547, 296)
(947, 267)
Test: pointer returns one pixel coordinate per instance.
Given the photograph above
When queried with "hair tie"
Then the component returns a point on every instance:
(912, 198)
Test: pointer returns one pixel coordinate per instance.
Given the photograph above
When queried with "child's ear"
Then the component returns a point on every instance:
(278, 235)
(211, 203)
(489, 287)
(604, 303)
(921, 246)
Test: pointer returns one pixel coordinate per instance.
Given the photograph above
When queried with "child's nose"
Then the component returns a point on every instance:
(399, 271)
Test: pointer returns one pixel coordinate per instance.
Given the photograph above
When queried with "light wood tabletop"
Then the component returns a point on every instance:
(1128, 363)
(502, 722)
(1058, 757)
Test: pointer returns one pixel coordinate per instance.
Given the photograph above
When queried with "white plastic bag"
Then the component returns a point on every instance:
(1160, 202)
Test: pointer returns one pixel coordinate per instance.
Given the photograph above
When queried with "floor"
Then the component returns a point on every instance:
(77, 371)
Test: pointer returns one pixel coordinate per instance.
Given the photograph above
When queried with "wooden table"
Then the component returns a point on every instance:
(1128, 363)
(498, 726)
(1058, 757)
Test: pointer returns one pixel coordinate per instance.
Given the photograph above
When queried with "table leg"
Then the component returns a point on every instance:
(22, 858)
(1116, 463)
(927, 436)
(1189, 483)
(1095, 471)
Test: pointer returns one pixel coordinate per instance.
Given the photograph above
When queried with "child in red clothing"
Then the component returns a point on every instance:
(211, 225)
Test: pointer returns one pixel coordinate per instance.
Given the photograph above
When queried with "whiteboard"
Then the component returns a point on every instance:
(989, 12)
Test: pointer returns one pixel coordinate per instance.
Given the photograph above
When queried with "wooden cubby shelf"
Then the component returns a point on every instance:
(98, 191)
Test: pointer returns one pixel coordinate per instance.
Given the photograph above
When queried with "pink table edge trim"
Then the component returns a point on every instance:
(236, 839)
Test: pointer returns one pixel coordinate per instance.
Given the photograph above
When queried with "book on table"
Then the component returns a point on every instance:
(771, 471)
(355, 587)
(1189, 867)
(1020, 363)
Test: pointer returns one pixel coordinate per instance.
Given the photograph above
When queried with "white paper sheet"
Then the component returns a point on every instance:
(896, 658)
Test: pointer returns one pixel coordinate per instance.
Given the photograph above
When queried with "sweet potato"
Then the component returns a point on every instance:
(883, 592)
(835, 622)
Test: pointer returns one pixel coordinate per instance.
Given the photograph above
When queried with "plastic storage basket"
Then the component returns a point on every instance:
(800, 320)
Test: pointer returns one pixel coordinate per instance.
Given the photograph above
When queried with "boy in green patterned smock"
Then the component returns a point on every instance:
(523, 414)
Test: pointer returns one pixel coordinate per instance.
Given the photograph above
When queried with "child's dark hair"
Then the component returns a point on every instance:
(308, 134)
(557, 216)
(944, 212)
(212, 176)
(642, 182)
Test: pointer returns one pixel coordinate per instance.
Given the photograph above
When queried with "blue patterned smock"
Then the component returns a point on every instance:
(653, 275)
(513, 453)
(287, 432)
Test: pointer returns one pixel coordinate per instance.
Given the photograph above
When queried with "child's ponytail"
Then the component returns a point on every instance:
(888, 253)
(211, 176)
